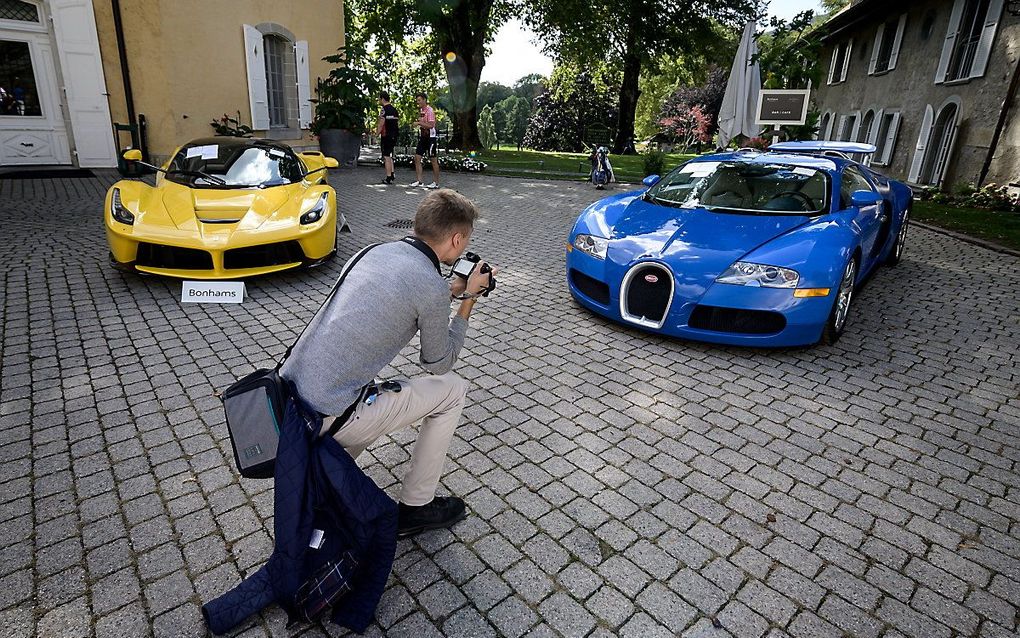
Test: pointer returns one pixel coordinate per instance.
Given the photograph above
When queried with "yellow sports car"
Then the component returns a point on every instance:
(225, 208)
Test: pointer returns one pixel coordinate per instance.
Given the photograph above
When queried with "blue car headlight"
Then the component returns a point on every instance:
(592, 245)
(316, 212)
(119, 212)
(745, 273)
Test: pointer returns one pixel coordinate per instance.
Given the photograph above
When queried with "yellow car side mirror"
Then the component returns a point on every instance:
(133, 155)
(329, 162)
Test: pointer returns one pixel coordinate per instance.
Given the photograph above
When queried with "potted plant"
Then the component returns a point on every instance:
(343, 102)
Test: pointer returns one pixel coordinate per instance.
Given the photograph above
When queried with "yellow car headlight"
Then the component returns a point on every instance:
(118, 211)
(316, 212)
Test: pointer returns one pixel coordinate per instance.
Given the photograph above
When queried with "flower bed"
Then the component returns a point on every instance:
(446, 163)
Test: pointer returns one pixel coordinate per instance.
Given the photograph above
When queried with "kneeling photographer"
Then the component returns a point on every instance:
(393, 291)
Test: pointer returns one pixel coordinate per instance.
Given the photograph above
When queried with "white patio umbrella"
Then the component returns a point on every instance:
(736, 117)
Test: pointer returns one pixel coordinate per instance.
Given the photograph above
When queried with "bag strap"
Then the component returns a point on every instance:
(343, 275)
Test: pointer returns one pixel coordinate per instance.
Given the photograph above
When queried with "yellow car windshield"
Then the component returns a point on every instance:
(234, 166)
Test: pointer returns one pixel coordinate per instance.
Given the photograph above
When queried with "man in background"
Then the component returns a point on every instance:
(428, 142)
(388, 129)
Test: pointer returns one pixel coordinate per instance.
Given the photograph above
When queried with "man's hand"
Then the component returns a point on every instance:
(478, 281)
(457, 286)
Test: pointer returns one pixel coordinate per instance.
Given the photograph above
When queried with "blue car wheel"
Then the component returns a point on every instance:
(836, 324)
(901, 239)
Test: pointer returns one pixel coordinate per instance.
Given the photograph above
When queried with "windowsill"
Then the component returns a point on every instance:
(957, 82)
(885, 72)
(283, 133)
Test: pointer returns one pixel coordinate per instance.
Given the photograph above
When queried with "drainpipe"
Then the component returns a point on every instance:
(1001, 123)
(125, 73)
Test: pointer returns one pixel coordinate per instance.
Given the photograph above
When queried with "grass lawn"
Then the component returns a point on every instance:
(999, 227)
(566, 165)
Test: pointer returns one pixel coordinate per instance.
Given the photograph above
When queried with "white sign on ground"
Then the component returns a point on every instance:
(212, 292)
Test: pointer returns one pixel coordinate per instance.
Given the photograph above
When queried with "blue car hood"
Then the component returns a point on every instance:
(697, 244)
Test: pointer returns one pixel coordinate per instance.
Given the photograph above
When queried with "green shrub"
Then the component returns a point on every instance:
(654, 161)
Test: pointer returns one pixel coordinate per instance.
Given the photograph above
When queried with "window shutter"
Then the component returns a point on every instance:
(922, 144)
(897, 42)
(876, 124)
(947, 47)
(832, 65)
(889, 146)
(876, 49)
(304, 91)
(846, 60)
(984, 48)
(945, 151)
(856, 128)
(828, 128)
(258, 94)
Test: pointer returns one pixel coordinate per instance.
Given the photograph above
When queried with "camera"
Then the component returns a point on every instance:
(466, 265)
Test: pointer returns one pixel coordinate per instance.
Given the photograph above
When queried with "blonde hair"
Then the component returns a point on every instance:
(442, 213)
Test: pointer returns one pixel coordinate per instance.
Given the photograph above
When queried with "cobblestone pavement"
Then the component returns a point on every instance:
(619, 483)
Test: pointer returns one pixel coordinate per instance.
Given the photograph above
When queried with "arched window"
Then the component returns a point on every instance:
(825, 126)
(278, 80)
(18, 10)
(867, 127)
(940, 145)
(278, 64)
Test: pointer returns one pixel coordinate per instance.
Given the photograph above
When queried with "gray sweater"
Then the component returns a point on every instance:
(392, 293)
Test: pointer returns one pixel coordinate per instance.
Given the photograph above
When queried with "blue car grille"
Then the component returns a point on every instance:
(755, 322)
(590, 287)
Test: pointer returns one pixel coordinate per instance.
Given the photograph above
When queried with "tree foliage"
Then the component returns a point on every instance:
(454, 34)
(706, 99)
(516, 120)
(788, 52)
(578, 107)
(630, 35)
(671, 71)
(687, 125)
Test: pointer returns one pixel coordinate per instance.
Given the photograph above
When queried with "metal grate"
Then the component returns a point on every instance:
(406, 224)
(17, 10)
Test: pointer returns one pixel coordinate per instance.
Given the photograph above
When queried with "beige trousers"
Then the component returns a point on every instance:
(436, 402)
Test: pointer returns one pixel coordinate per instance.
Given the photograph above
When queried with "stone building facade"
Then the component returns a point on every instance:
(932, 83)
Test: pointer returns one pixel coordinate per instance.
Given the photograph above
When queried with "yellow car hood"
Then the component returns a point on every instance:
(191, 209)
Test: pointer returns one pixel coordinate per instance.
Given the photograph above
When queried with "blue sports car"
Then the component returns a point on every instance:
(744, 248)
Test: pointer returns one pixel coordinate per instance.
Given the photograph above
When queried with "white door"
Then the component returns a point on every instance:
(31, 124)
(81, 66)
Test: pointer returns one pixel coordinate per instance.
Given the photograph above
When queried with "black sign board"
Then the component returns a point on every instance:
(782, 106)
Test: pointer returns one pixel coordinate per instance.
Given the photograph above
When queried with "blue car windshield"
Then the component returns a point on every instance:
(744, 187)
(234, 166)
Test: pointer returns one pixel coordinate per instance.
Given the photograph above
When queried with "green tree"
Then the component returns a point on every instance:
(517, 121)
(500, 111)
(788, 52)
(486, 129)
(671, 71)
(631, 34)
(454, 33)
(530, 86)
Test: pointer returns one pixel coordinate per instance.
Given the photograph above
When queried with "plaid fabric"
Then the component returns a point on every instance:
(325, 587)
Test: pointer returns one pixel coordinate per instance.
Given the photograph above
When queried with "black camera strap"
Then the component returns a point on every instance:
(343, 275)
(425, 249)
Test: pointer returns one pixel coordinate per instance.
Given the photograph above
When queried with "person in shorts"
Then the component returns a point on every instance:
(428, 142)
(388, 129)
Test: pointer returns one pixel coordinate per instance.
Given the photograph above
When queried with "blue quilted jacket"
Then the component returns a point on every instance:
(318, 488)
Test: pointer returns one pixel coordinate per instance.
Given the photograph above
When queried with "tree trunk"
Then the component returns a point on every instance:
(462, 33)
(629, 92)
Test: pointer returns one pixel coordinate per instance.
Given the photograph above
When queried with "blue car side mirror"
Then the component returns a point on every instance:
(651, 180)
(863, 198)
